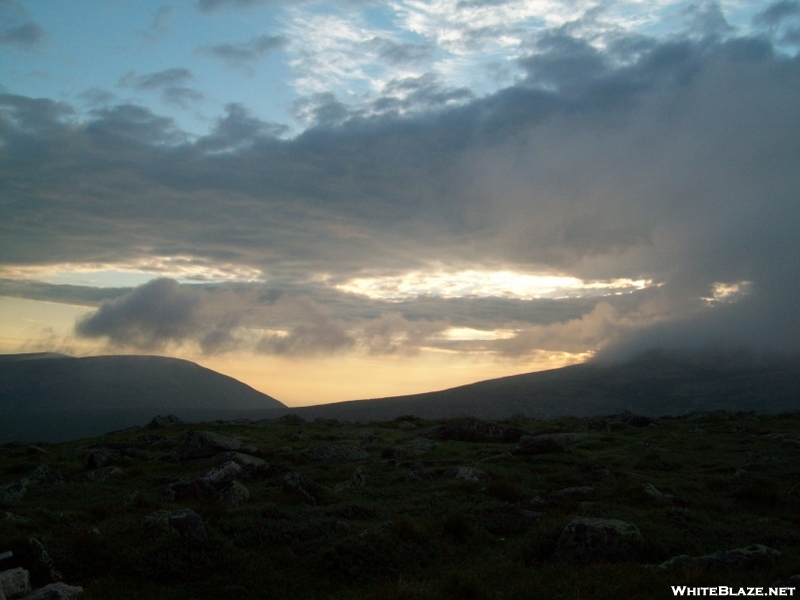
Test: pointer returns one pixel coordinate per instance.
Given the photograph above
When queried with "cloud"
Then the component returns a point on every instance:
(16, 28)
(244, 54)
(208, 6)
(169, 82)
(670, 161)
(162, 18)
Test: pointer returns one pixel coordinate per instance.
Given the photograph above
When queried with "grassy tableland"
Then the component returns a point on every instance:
(411, 532)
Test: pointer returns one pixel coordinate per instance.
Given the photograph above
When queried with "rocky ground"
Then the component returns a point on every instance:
(615, 507)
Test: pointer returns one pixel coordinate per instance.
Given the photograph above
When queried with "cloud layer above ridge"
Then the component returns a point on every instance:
(667, 160)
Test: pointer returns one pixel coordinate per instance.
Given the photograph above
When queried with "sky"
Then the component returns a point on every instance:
(342, 199)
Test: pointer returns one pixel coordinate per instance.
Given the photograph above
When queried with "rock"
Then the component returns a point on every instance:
(244, 460)
(756, 554)
(234, 494)
(654, 493)
(202, 444)
(335, 453)
(104, 473)
(418, 473)
(12, 493)
(15, 583)
(294, 483)
(43, 559)
(292, 418)
(531, 514)
(161, 422)
(357, 479)
(46, 474)
(468, 474)
(188, 489)
(407, 425)
(36, 450)
(99, 457)
(12, 518)
(570, 491)
(299, 437)
(479, 432)
(223, 474)
(183, 521)
(133, 500)
(415, 447)
(586, 540)
(55, 591)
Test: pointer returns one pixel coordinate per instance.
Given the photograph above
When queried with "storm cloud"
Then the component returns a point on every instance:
(668, 161)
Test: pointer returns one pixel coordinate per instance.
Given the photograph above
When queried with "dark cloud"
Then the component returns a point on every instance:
(163, 18)
(16, 28)
(776, 12)
(156, 313)
(169, 82)
(672, 161)
(398, 53)
(208, 6)
(316, 334)
(244, 54)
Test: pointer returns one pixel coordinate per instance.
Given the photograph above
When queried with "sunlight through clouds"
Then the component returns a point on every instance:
(485, 284)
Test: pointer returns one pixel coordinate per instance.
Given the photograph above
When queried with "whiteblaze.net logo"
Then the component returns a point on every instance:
(723, 590)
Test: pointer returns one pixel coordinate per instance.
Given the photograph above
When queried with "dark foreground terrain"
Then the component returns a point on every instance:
(410, 509)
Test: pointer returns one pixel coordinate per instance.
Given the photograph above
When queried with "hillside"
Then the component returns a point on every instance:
(653, 385)
(52, 397)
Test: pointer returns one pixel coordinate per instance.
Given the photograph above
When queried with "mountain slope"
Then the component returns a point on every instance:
(651, 385)
(50, 397)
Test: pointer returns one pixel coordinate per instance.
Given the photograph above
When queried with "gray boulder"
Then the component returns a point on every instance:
(335, 453)
(657, 495)
(357, 479)
(479, 432)
(15, 583)
(574, 491)
(244, 460)
(104, 474)
(43, 559)
(99, 457)
(13, 493)
(586, 540)
(183, 522)
(163, 421)
(55, 591)
(202, 444)
(234, 494)
(755, 554)
(468, 474)
(223, 474)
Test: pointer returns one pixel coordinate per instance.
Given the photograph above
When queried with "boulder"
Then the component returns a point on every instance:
(15, 583)
(357, 479)
(46, 474)
(99, 457)
(13, 493)
(414, 448)
(572, 491)
(753, 555)
(163, 421)
(223, 474)
(244, 460)
(468, 474)
(586, 540)
(55, 591)
(202, 444)
(479, 432)
(43, 559)
(657, 495)
(104, 473)
(335, 453)
(183, 521)
(234, 494)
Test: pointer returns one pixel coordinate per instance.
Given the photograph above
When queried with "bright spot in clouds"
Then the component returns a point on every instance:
(485, 284)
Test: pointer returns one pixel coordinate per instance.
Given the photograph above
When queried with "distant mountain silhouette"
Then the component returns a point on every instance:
(55, 397)
(654, 384)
